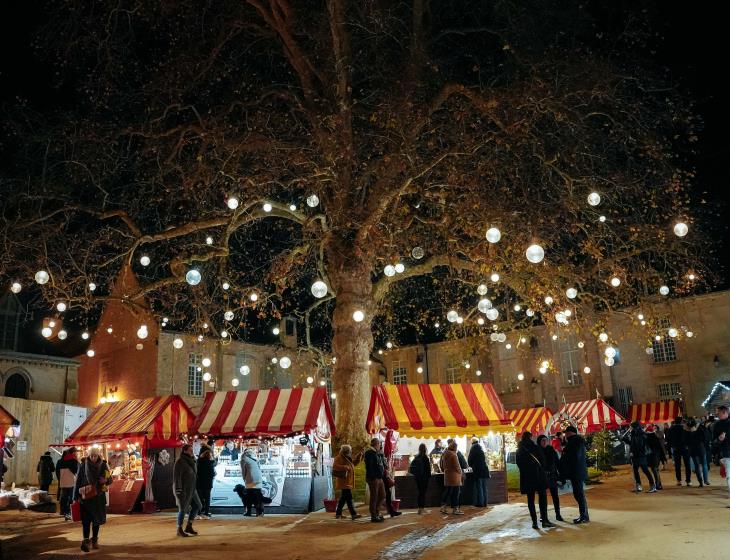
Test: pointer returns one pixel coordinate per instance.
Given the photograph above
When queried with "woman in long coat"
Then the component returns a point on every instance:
(533, 479)
(453, 479)
(92, 482)
(552, 460)
(343, 470)
(205, 478)
(184, 481)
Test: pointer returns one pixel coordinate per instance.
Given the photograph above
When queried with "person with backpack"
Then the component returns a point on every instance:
(343, 471)
(420, 467)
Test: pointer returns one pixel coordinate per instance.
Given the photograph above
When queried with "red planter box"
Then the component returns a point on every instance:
(395, 504)
(149, 507)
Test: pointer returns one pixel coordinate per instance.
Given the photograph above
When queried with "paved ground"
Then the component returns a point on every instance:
(678, 523)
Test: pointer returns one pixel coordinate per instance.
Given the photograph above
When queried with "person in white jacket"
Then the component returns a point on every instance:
(252, 478)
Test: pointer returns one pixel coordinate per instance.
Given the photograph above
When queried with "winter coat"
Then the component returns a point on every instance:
(66, 468)
(205, 474)
(675, 436)
(45, 470)
(452, 469)
(478, 461)
(374, 465)
(346, 464)
(637, 444)
(462, 460)
(94, 507)
(184, 480)
(421, 467)
(251, 471)
(723, 447)
(695, 442)
(552, 461)
(658, 454)
(531, 462)
(573, 465)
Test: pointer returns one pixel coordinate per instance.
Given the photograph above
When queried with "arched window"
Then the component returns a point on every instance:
(17, 386)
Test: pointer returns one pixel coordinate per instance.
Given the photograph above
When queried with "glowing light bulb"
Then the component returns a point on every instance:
(483, 306)
(209, 240)
(16, 287)
(494, 235)
(603, 337)
(254, 296)
(228, 315)
(535, 253)
(319, 289)
(235, 382)
(594, 199)
(520, 376)
(610, 352)
(41, 277)
(586, 370)
(90, 353)
(62, 335)
(492, 314)
(144, 260)
(529, 312)
(358, 316)
(193, 277)
(177, 343)
(207, 376)
(664, 290)
(549, 300)
(389, 270)
(310, 379)
(419, 369)
(85, 335)
(142, 332)
(601, 219)
(46, 332)
(615, 281)
(225, 286)
(268, 207)
(293, 207)
(224, 334)
(482, 289)
(680, 229)
(275, 331)
(480, 321)
(571, 293)
(232, 202)
(61, 306)
(244, 370)
(285, 362)
(312, 201)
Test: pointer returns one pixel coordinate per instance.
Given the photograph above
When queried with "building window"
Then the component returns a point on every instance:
(454, 371)
(400, 375)
(195, 375)
(508, 370)
(571, 361)
(625, 399)
(664, 350)
(244, 381)
(289, 326)
(669, 391)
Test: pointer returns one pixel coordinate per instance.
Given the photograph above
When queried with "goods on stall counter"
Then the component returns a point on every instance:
(23, 498)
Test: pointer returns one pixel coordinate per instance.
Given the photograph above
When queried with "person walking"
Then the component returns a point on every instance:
(639, 452)
(480, 471)
(573, 467)
(254, 481)
(551, 472)
(204, 480)
(680, 454)
(420, 467)
(696, 448)
(721, 437)
(184, 480)
(705, 427)
(453, 479)
(66, 468)
(374, 472)
(343, 470)
(533, 479)
(657, 456)
(92, 483)
(45, 470)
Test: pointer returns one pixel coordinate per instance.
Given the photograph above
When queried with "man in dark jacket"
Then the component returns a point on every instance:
(206, 475)
(480, 472)
(640, 455)
(184, 479)
(45, 471)
(680, 453)
(374, 473)
(721, 437)
(66, 468)
(573, 467)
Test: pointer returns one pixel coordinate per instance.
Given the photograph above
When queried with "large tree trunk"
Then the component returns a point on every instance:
(352, 344)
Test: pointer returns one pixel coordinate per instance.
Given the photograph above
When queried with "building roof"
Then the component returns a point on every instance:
(720, 394)
(37, 358)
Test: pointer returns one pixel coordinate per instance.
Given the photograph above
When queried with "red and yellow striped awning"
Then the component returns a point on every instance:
(533, 420)
(7, 420)
(590, 416)
(662, 412)
(437, 409)
(159, 419)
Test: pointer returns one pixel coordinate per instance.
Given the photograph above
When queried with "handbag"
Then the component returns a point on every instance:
(76, 511)
(87, 492)
(339, 473)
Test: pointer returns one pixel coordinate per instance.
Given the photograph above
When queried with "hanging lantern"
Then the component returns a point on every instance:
(535, 253)
(494, 235)
(548, 300)
(225, 285)
(312, 201)
(177, 343)
(601, 219)
(275, 331)
(228, 315)
(529, 312)
(484, 305)
(389, 270)
(452, 316)
(319, 289)
(16, 287)
(508, 346)
(209, 240)
(235, 382)
(41, 277)
(268, 207)
(224, 334)
(520, 376)
(664, 290)
(244, 370)
(232, 202)
(680, 229)
(571, 293)
(418, 253)
(285, 362)
(594, 199)
(492, 314)
(517, 307)
(543, 370)
(90, 353)
(480, 321)
(482, 289)
(672, 332)
(85, 335)
(254, 296)
(586, 370)
(293, 207)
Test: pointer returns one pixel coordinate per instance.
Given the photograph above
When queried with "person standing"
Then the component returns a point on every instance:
(696, 448)
(254, 481)
(660, 434)
(45, 471)
(678, 445)
(706, 427)
(533, 480)
(721, 437)
(92, 483)
(478, 463)
(453, 479)
(639, 452)
(438, 448)
(573, 467)
(343, 470)
(657, 455)
(551, 472)
(388, 485)
(66, 468)
(184, 480)
(374, 472)
(557, 442)
(205, 477)
(420, 467)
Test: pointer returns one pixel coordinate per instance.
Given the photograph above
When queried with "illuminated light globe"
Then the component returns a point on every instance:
(581, 344)
(139, 346)
(649, 350)
(90, 353)
(494, 277)
(244, 370)
(232, 202)
(586, 370)
(484, 305)
(92, 286)
(52, 323)
(319, 289)
(672, 332)
(310, 379)
(680, 229)
(358, 316)
(609, 361)
(312, 201)
(492, 314)
(275, 331)
(549, 300)
(225, 286)
(85, 335)
(560, 317)
(46, 332)
(293, 207)
(267, 207)
(571, 293)
(209, 240)
(501, 337)
(177, 343)
(144, 260)
(224, 334)
(254, 296)
(664, 290)
(494, 337)
(520, 376)
(285, 362)
(690, 334)
(478, 372)
(517, 307)
(480, 321)
(200, 338)
(508, 346)
(493, 235)
(41, 277)
(603, 337)
(62, 335)
(459, 320)
(452, 316)
(16, 287)
(193, 277)
(228, 315)
(594, 199)
(399, 268)
(610, 352)
(555, 337)
(437, 325)
(535, 254)
(211, 384)
(207, 376)
(529, 312)
(389, 270)
(543, 370)
(142, 332)
(615, 281)
(206, 362)
(322, 383)
(389, 345)
(467, 365)
(418, 253)
(568, 312)
(61, 306)
(482, 289)
(110, 330)
(235, 382)
(333, 396)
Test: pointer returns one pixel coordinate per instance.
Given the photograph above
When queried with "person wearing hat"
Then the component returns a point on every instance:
(573, 467)
(45, 471)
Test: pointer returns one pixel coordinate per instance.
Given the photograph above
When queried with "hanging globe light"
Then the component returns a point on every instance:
(46, 332)
(543, 370)
(389, 270)
(492, 314)
(92, 286)
(244, 370)
(293, 207)
(232, 202)
(494, 277)
(193, 277)
(224, 334)
(615, 281)
(603, 337)
(389, 345)
(228, 315)
(529, 312)
(268, 207)
(312, 201)
(690, 334)
(594, 199)
(508, 346)
(418, 253)
(501, 337)
(517, 307)
(520, 377)
(549, 300)
(61, 306)
(494, 235)
(459, 320)
(90, 353)
(399, 268)
(41, 277)
(209, 240)
(571, 293)
(225, 286)
(581, 344)
(177, 343)
(609, 361)
(235, 382)
(142, 332)
(451, 316)
(586, 370)
(478, 372)
(206, 362)
(482, 289)
(494, 337)
(672, 332)
(144, 260)
(310, 379)
(207, 376)
(560, 317)
(601, 219)
(535, 253)
(200, 338)
(568, 312)
(680, 229)
(664, 290)
(358, 316)
(275, 331)
(62, 335)
(285, 362)
(16, 287)
(253, 296)
(610, 352)
(480, 321)
(85, 335)
(484, 305)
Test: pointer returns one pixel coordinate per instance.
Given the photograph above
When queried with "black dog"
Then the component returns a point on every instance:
(249, 499)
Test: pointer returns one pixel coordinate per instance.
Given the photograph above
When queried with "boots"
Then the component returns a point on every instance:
(547, 524)
(534, 522)
(85, 545)
(189, 529)
(180, 532)
(95, 543)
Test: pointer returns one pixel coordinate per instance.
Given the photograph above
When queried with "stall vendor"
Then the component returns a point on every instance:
(229, 453)
(438, 448)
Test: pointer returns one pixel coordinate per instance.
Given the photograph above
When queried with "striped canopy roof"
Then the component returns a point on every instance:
(437, 409)
(591, 416)
(273, 412)
(6, 421)
(161, 419)
(662, 412)
(533, 420)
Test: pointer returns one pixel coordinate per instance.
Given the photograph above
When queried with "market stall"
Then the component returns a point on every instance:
(426, 412)
(9, 428)
(662, 412)
(534, 420)
(140, 440)
(588, 416)
(289, 430)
